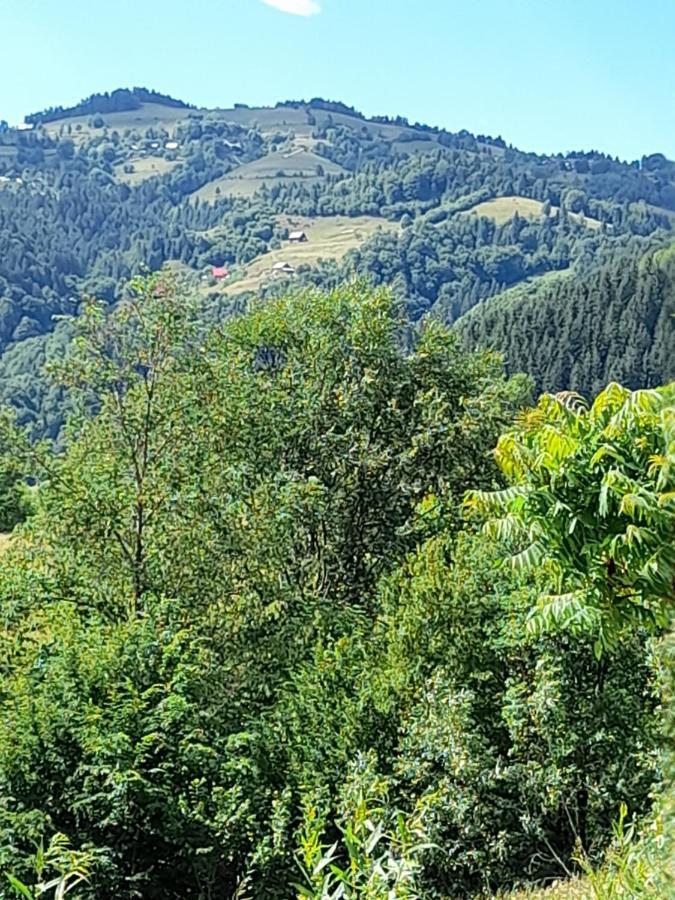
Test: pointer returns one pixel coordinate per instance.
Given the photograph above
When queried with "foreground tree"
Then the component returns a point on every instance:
(592, 498)
(224, 510)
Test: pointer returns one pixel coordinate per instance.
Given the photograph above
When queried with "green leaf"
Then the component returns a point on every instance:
(19, 886)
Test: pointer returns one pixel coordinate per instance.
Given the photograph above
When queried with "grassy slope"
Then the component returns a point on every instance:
(502, 209)
(298, 163)
(297, 160)
(149, 115)
(145, 167)
(269, 121)
(328, 238)
(4, 541)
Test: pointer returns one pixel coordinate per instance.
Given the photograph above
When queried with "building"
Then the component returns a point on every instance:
(219, 272)
(297, 237)
(282, 268)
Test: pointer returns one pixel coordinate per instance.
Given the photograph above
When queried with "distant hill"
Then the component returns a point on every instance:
(120, 100)
(91, 193)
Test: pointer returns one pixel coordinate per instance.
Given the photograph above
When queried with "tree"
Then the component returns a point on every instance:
(14, 502)
(592, 498)
(225, 507)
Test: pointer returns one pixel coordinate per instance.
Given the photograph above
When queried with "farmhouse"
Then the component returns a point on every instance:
(297, 237)
(219, 272)
(283, 268)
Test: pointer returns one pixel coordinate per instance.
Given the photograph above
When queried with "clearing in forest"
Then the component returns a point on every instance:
(503, 209)
(296, 163)
(148, 115)
(144, 167)
(330, 237)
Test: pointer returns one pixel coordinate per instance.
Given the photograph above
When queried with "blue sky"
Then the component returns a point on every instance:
(547, 75)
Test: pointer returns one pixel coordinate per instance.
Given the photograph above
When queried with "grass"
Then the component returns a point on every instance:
(659, 210)
(503, 209)
(269, 121)
(149, 115)
(296, 163)
(5, 540)
(328, 238)
(144, 168)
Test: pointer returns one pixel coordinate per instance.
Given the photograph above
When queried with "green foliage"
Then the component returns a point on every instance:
(14, 495)
(517, 747)
(377, 853)
(247, 626)
(72, 867)
(592, 498)
(206, 543)
(635, 866)
(616, 323)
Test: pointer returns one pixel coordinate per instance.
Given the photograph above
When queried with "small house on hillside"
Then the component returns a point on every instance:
(282, 268)
(219, 272)
(297, 237)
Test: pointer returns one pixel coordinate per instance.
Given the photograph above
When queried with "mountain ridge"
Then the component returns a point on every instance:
(136, 97)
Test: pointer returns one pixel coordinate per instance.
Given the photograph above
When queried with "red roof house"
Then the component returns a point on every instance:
(219, 272)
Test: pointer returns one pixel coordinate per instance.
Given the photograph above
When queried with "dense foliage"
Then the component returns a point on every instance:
(249, 640)
(615, 324)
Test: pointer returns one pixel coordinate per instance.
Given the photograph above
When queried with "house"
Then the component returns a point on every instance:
(171, 145)
(219, 272)
(282, 268)
(297, 237)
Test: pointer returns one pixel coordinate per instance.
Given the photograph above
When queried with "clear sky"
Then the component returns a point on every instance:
(547, 75)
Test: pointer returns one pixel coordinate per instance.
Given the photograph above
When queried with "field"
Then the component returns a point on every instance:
(296, 160)
(503, 209)
(659, 210)
(7, 152)
(288, 119)
(269, 121)
(144, 167)
(298, 163)
(149, 115)
(4, 542)
(328, 238)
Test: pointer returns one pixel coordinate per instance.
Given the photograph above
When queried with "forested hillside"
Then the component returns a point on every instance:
(91, 194)
(615, 324)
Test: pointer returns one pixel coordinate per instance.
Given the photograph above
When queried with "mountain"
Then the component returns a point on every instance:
(91, 194)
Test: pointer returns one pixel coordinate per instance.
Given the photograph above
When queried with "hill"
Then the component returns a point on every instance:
(616, 324)
(92, 193)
